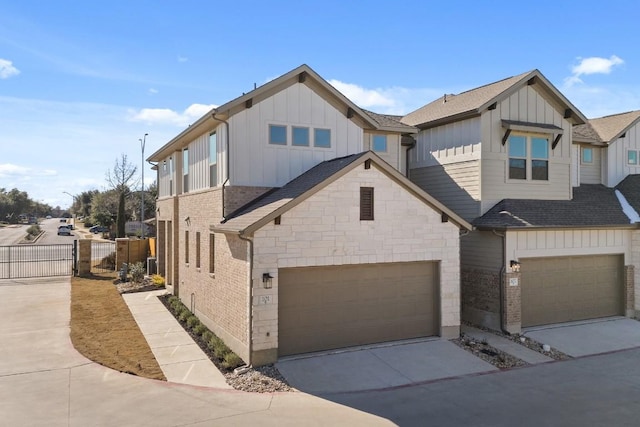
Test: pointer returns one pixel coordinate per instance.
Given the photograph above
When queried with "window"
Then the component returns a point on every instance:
(277, 135)
(528, 158)
(197, 249)
(540, 159)
(379, 143)
(587, 155)
(185, 170)
(517, 157)
(300, 136)
(213, 159)
(212, 253)
(322, 138)
(632, 157)
(186, 247)
(366, 203)
(171, 176)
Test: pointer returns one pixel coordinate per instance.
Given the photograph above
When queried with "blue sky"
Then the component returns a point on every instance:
(81, 82)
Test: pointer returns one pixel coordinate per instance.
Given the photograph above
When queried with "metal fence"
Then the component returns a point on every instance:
(21, 261)
(103, 257)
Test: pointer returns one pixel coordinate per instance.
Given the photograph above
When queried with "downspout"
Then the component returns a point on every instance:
(228, 166)
(411, 145)
(250, 299)
(502, 273)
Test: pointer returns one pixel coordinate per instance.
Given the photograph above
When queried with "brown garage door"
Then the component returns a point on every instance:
(564, 289)
(321, 308)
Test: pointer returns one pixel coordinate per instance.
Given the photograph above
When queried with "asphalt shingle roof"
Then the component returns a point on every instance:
(276, 198)
(609, 127)
(460, 103)
(630, 189)
(593, 205)
(390, 121)
(585, 133)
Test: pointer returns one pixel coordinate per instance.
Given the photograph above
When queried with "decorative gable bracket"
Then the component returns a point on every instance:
(511, 125)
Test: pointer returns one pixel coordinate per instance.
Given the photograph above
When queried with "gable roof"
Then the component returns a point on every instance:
(390, 122)
(593, 205)
(276, 202)
(297, 75)
(449, 108)
(585, 133)
(630, 189)
(609, 128)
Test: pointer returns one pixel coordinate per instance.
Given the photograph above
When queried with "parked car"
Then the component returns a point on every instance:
(63, 220)
(98, 229)
(63, 230)
(71, 227)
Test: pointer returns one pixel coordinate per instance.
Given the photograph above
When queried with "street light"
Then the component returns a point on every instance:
(142, 143)
(74, 198)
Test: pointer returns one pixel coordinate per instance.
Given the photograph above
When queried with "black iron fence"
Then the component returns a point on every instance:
(103, 257)
(21, 261)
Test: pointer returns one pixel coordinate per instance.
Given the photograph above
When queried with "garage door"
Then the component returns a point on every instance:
(321, 308)
(564, 289)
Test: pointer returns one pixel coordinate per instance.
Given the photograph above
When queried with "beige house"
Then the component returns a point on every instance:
(551, 242)
(286, 223)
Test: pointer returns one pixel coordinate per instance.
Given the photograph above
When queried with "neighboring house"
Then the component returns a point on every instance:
(285, 222)
(546, 247)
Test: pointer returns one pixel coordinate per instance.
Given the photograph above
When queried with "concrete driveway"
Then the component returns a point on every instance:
(589, 337)
(380, 367)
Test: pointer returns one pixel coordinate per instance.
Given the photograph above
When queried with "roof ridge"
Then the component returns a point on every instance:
(490, 84)
(615, 115)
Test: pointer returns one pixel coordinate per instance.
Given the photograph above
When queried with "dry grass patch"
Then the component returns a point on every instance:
(104, 330)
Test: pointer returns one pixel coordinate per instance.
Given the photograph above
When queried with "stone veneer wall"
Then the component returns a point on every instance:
(238, 195)
(480, 293)
(629, 297)
(326, 229)
(635, 260)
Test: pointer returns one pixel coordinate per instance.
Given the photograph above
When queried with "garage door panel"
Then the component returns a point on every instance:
(585, 287)
(355, 305)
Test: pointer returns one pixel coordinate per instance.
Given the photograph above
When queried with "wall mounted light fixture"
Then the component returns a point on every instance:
(515, 266)
(267, 280)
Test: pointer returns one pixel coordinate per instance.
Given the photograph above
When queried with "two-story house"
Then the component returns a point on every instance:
(551, 242)
(286, 223)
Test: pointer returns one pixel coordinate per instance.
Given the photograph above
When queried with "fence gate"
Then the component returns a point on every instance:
(22, 261)
(103, 256)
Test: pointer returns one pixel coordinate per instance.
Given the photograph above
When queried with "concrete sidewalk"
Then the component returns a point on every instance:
(179, 357)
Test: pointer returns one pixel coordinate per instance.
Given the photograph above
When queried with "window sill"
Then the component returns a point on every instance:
(212, 275)
(527, 181)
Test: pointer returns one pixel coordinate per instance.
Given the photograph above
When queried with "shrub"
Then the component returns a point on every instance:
(137, 272)
(232, 361)
(172, 300)
(34, 230)
(207, 335)
(214, 343)
(193, 321)
(109, 262)
(221, 350)
(184, 315)
(157, 280)
(200, 329)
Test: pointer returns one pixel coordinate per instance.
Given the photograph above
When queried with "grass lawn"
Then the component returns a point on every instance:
(103, 329)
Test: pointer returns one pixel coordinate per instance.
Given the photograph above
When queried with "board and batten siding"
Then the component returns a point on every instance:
(456, 185)
(254, 162)
(392, 155)
(558, 243)
(451, 143)
(617, 166)
(166, 177)
(481, 250)
(526, 105)
(590, 173)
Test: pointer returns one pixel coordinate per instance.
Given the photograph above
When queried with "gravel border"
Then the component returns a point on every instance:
(484, 351)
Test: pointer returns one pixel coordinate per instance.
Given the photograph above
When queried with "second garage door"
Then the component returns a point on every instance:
(565, 289)
(321, 308)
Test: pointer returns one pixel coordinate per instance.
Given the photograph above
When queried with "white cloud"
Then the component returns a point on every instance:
(7, 69)
(153, 91)
(168, 116)
(592, 65)
(8, 170)
(182, 58)
(367, 98)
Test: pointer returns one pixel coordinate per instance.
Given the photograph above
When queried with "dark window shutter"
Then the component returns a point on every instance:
(366, 203)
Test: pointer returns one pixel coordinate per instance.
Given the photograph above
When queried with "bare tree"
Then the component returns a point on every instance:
(121, 180)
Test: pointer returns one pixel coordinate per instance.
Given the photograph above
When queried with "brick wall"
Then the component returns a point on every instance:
(512, 314)
(480, 291)
(635, 260)
(629, 282)
(326, 230)
(237, 196)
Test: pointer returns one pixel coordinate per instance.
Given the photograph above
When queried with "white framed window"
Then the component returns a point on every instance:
(277, 135)
(587, 155)
(322, 138)
(528, 158)
(632, 157)
(379, 143)
(213, 159)
(185, 170)
(300, 136)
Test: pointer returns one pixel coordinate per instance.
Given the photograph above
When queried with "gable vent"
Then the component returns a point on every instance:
(366, 203)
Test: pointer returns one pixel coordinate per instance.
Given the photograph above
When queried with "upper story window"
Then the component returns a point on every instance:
(322, 138)
(300, 136)
(632, 157)
(277, 135)
(587, 155)
(213, 159)
(528, 158)
(185, 170)
(379, 143)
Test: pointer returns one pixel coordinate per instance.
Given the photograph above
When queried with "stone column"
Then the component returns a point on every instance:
(629, 294)
(84, 257)
(122, 251)
(511, 303)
